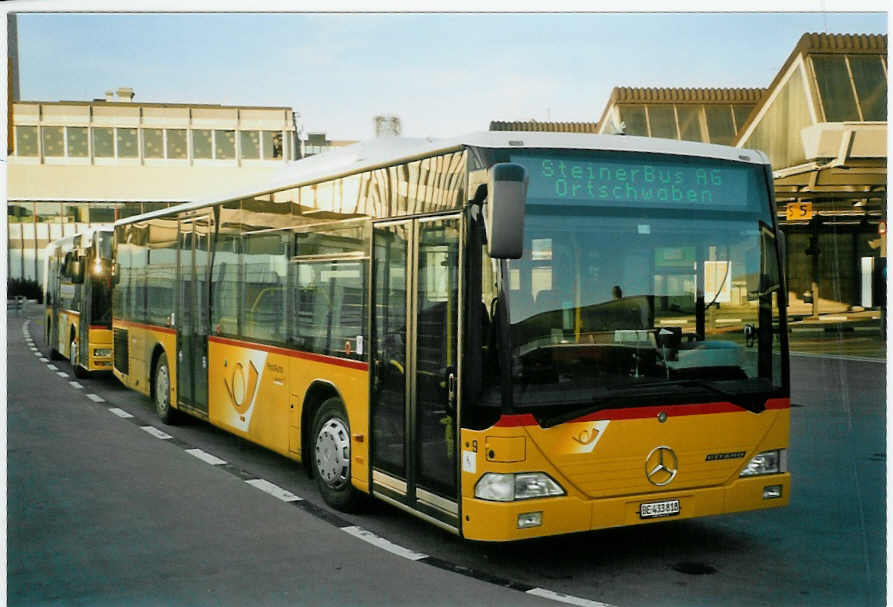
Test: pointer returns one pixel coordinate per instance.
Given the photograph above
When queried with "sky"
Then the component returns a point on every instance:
(442, 74)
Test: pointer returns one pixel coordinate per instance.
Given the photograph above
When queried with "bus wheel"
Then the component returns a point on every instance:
(75, 359)
(163, 408)
(331, 456)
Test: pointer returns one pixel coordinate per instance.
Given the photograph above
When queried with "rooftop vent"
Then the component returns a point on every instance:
(125, 93)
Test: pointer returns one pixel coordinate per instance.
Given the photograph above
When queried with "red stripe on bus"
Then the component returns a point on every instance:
(100, 327)
(139, 325)
(320, 358)
(773, 404)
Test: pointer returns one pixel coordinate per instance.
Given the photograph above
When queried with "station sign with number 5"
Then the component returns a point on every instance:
(799, 211)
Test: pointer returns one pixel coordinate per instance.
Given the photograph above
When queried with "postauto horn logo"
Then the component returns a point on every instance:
(241, 384)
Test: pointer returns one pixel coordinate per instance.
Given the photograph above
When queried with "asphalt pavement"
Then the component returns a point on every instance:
(101, 512)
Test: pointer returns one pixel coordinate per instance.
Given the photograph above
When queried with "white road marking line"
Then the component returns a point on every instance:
(52, 367)
(380, 542)
(274, 490)
(566, 598)
(61, 373)
(75, 384)
(44, 360)
(205, 457)
(96, 398)
(861, 359)
(120, 413)
(156, 432)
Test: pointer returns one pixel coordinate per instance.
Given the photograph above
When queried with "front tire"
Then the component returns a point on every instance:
(331, 457)
(75, 359)
(162, 392)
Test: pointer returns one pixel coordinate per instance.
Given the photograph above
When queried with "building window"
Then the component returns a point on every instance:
(689, 123)
(719, 124)
(19, 212)
(103, 142)
(101, 212)
(835, 89)
(272, 141)
(77, 141)
(224, 145)
(663, 121)
(53, 141)
(871, 86)
(129, 209)
(176, 143)
(26, 141)
(153, 143)
(48, 212)
(201, 143)
(634, 118)
(75, 213)
(127, 143)
(250, 141)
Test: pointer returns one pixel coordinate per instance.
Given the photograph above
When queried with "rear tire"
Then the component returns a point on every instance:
(330, 456)
(162, 392)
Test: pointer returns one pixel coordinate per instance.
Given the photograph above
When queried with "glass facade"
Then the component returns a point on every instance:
(712, 123)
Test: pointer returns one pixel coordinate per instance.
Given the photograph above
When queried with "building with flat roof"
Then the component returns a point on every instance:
(77, 164)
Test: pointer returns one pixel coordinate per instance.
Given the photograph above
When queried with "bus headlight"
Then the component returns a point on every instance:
(767, 462)
(497, 487)
(102, 352)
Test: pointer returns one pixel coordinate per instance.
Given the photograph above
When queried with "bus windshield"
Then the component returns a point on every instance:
(625, 298)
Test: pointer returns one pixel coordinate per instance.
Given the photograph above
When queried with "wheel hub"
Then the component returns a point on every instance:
(333, 453)
(162, 389)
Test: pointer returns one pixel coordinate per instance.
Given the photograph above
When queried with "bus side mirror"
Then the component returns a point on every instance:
(115, 275)
(507, 193)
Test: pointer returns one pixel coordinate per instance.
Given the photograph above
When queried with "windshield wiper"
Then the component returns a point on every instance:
(754, 402)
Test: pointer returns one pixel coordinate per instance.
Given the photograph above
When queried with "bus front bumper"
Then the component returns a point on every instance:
(497, 521)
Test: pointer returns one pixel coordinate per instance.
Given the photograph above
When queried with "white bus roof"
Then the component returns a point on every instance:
(385, 151)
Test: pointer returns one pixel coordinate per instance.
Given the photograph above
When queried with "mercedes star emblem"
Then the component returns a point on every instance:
(661, 466)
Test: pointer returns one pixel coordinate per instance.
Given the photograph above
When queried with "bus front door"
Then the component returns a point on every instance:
(415, 345)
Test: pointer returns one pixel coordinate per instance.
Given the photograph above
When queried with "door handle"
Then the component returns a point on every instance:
(451, 391)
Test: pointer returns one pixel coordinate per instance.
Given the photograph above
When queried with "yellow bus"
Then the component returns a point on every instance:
(509, 335)
(78, 299)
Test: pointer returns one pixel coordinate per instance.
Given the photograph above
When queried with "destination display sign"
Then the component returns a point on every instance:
(640, 181)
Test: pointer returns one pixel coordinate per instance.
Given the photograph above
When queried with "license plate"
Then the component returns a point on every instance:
(659, 509)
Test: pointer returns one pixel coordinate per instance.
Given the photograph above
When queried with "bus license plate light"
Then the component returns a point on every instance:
(659, 509)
